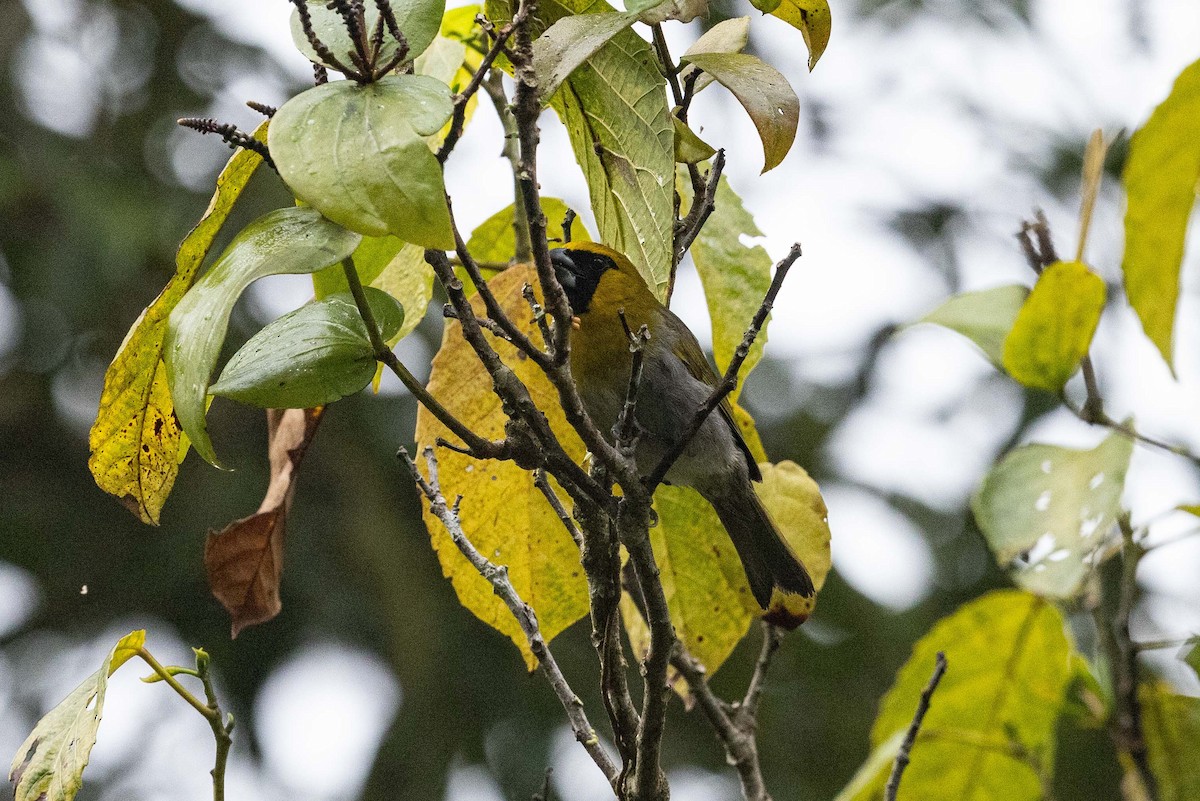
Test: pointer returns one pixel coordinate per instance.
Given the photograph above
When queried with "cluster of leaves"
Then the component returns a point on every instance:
(1053, 517)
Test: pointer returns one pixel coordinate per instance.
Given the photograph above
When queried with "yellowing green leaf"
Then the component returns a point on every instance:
(49, 764)
(1009, 667)
(1054, 328)
(1048, 512)
(703, 580)
(763, 92)
(290, 240)
(812, 18)
(495, 239)
(984, 317)
(1172, 730)
(1160, 182)
(136, 442)
(727, 36)
(418, 19)
(689, 148)
(358, 155)
(615, 110)
(502, 513)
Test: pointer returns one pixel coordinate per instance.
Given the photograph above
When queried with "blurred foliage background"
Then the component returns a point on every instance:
(931, 127)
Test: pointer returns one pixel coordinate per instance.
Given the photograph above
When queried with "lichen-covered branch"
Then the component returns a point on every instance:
(497, 575)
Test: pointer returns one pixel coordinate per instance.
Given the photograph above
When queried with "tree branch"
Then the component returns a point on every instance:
(735, 725)
(904, 756)
(497, 575)
(478, 446)
(729, 381)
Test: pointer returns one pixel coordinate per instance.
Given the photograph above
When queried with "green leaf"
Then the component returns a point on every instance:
(291, 240)
(710, 601)
(1048, 512)
(992, 718)
(811, 17)
(984, 317)
(735, 276)
(390, 265)
(615, 110)
(49, 764)
(1192, 658)
(136, 442)
(417, 19)
(689, 148)
(571, 41)
(1055, 326)
(727, 36)
(358, 155)
(763, 92)
(1171, 724)
(312, 356)
(867, 782)
(1160, 181)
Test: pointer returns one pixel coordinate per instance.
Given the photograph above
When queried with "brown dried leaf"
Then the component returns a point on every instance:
(244, 560)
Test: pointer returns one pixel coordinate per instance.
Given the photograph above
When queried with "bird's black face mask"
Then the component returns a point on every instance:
(579, 273)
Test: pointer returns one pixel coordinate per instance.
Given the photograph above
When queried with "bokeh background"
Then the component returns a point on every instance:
(929, 129)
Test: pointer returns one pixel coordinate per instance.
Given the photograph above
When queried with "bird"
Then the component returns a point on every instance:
(609, 299)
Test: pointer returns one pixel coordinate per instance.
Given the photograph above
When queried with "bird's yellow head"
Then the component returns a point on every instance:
(580, 267)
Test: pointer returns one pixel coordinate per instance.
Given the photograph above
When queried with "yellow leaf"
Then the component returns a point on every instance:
(1160, 181)
(136, 442)
(502, 513)
(1054, 328)
(814, 21)
(710, 601)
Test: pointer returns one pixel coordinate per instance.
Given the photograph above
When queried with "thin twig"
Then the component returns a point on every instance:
(735, 725)
(1128, 705)
(478, 446)
(625, 431)
(539, 313)
(494, 87)
(703, 205)
(497, 575)
(567, 223)
(543, 484)
(491, 326)
(729, 381)
(458, 119)
(904, 756)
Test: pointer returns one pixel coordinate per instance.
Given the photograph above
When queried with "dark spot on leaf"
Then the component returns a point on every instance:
(158, 426)
(145, 448)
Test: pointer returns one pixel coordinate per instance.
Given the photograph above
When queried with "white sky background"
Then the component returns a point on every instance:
(939, 110)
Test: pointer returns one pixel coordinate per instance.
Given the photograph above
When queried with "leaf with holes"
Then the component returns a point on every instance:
(291, 240)
(763, 92)
(358, 155)
(1048, 512)
(136, 442)
(310, 357)
(49, 764)
(984, 317)
(811, 17)
(1054, 329)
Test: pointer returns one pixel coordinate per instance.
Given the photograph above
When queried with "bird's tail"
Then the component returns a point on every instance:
(766, 558)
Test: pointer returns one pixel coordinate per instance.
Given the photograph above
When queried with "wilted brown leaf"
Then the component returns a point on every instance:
(244, 560)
